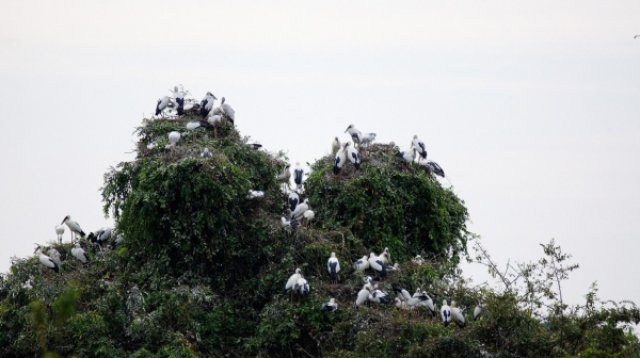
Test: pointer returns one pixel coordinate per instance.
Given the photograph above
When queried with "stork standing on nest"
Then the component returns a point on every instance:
(285, 176)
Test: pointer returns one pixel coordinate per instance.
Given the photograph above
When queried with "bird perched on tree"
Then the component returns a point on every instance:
(353, 155)
(335, 146)
(60, 232)
(174, 137)
(361, 264)
(330, 306)
(477, 311)
(73, 226)
(445, 313)
(355, 134)
(377, 264)
(288, 287)
(228, 112)
(298, 213)
(293, 199)
(298, 174)
(363, 295)
(456, 314)
(408, 155)
(419, 146)
(79, 253)
(341, 158)
(308, 216)
(46, 260)
(163, 103)
(285, 176)
(333, 267)
(206, 105)
(433, 168)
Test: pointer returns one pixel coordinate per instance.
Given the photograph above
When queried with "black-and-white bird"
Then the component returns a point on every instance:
(341, 158)
(361, 264)
(79, 254)
(101, 236)
(420, 147)
(377, 264)
(228, 112)
(174, 137)
(293, 279)
(445, 313)
(298, 175)
(293, 223)
(330, 306)
(367, 139)
(73, 226)
(363, 295)
(301, 287)
(298, 213)
(418, 260)
(59, 232)
(255, 194)
(408, 155)
(55, 255)
(308, 216)
(117, 242)
(206, 105)
(335, 146)
(456, 314)
(333, 267)
(380, 297)
(46, 260)
(293, 199)
(434, 168)
(355, 134)
(403, 294)
(163, 103)
(353, 155)
(386, 256)
(206, 153)
(285, 176)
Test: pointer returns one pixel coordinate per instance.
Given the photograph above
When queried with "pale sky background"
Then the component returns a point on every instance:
(531, 107)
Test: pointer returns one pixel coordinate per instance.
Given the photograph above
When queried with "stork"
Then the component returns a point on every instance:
(330, 306)
(341, 158)
(46, 260)
(355, 134)
(73, 226)
(333, 267)
(420, 147)
(60, 232)
(207, 104)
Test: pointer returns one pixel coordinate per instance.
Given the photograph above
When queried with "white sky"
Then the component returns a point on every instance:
(531, 107)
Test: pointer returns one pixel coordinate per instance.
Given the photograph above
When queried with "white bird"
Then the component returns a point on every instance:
(419, 146)
(394, 267)
(152, 145)
(403, 294)
(207, 104)
(192, 126)
(333, 267)
(341, 158)
(205, 153)
(424, 300)
(298, 174)
(255, 194)
(418, 260)
(361, 264)
(301, 287)
(386, 256)
(162, 104)
(293, 199)
(300, 209)
(229, 113)
(60, 232)
(46, 260)
(401, 304)
(477, 311)
(356, 135)
(308, 215)
(635, 36)
(408, 155)
(445, 313)
(353, 155)
(101, 236)
(119, 240)
(79, 253)
(376, 263)
(363, 296)
(456, 314)
(293, 279)
(73, 226)
(174, 137)
(367, 139)
(284, 177)
(214, 119)
(55, 255)
(379, 296)
(330, 306)
(335, 146)
(293, 222)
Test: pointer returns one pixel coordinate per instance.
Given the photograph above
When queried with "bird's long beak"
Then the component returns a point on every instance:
(214, 97)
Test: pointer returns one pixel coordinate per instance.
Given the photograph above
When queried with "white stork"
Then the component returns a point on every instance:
(419, 146)
(60, 232)
(445, 313)
(361, 264)
(353, 155)
(456, 314)
(298, 174)
(228, 111)
(300, 210)
(376, 263)
(330, 306)
(355, 134)
(73, 226)
(46, 260)
(363, 296)
(79, 253)
(333, 267)
(207, 104)
(341, 158)
(293, 199)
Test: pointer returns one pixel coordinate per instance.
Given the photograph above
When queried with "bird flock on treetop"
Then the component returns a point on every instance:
(299, 213)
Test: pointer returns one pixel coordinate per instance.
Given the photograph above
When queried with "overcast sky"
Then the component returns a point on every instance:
(531, 107)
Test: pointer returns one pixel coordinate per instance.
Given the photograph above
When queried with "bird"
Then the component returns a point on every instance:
(335, 146)
(229, 113)
(418, 260)
(367, 138)
(79, 253)
(376, 263)
(330, 306)
(205, 153)
(101, 236)
(292, 222)
(361, 264)
(356, 135)
(73, 226)
(385, 256)
(174, 137)
(293, 199)
(180, 103)
(434, 168)
(213, 120)
(115, 243)
(403, 294)
(207, 104)
(255, 194)
(363, 296)
(379, 296)
(301, 287)
(284, 177)
(298, 173)
(445, 313)
(477, 311)
(46, 260)
(308, 215)
(401, 304)
(293, 279)
(333, 267)
(300, 209)
(408, 155)
(59, 232)
(55, 255)
(162, 104)
(419, 146)
(192, 126)
(635, 36)
(456, 314)
(341, 158)
(394, 267)
(353, 155)
(425, 301)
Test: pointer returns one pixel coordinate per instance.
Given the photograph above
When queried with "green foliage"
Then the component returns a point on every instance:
(202, 268)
